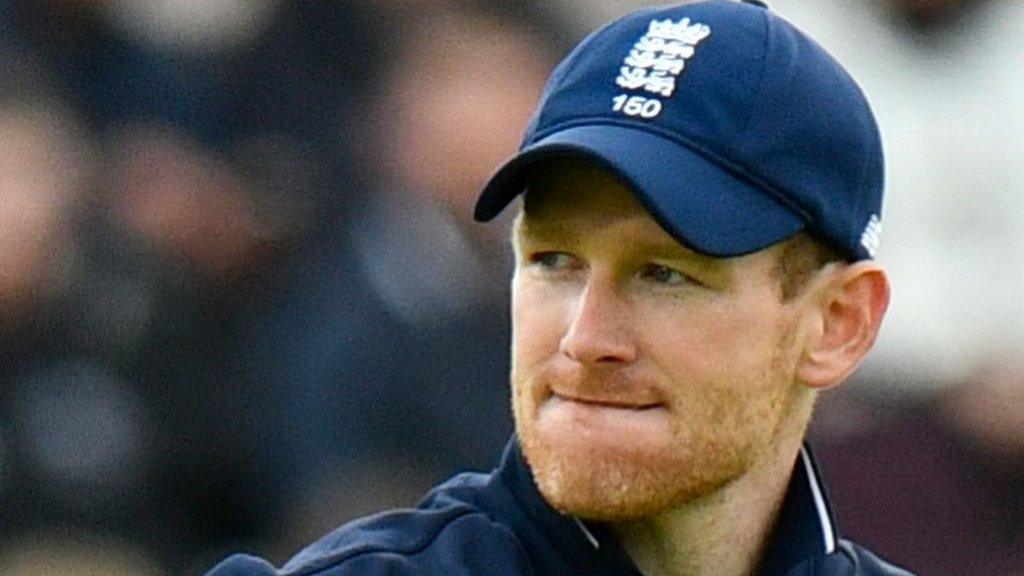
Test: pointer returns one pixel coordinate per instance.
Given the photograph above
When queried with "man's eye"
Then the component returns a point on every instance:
(665, 275)
(552, 260)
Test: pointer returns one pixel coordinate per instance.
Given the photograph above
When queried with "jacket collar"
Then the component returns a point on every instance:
(805, 529)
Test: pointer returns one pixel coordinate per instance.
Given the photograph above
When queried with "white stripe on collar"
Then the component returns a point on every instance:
(819, 503)
(586, 532)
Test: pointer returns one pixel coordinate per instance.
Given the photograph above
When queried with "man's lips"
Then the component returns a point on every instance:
(606, 402)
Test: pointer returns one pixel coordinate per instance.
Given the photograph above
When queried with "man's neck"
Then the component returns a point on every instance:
(724, 533)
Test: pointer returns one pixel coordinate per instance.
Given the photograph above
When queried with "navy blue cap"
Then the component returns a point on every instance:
(731, 126)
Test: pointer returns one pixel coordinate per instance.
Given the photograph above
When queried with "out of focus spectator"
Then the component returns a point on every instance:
(947, 81)
(44, 163)
(69, 429)
(124, 285)
(274, 242)
(183, 202)
(397, 323)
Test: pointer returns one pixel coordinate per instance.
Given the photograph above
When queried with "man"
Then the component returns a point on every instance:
(693, 263)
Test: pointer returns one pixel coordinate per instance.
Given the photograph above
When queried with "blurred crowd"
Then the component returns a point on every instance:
(242, 299)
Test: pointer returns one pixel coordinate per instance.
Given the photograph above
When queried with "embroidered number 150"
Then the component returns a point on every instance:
(636, 106)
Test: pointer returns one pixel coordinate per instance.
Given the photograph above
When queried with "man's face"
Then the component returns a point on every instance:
(644, 375)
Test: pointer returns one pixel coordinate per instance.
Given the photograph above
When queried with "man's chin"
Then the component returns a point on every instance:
(610, 487)
(621, 481)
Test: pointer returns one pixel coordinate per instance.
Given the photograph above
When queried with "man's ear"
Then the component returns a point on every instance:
(851, 301)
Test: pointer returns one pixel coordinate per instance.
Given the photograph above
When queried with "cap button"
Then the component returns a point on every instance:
(760, 3)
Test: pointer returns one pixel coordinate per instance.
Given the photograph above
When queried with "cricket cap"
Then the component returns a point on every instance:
(732, 127)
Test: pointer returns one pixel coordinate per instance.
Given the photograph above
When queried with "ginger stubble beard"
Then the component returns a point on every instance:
(719, 433)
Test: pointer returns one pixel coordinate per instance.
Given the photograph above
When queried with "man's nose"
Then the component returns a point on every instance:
(599, 329)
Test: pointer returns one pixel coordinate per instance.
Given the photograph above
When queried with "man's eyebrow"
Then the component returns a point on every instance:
(543, 230)
(672, 250)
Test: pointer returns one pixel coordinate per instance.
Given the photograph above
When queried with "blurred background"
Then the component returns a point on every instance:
(242, 299)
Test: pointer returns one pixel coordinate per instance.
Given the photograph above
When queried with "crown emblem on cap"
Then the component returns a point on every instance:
(654, 64)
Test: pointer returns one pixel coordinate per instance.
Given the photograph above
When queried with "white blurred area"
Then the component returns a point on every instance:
(950, 104)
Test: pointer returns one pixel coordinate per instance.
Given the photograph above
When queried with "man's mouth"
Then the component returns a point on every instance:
(606, 402)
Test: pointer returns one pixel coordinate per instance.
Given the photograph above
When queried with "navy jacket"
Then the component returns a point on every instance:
(498, 524)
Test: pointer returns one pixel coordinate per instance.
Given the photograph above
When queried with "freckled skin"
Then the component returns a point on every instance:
(632, 394)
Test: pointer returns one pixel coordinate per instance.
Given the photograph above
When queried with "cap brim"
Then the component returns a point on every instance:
(702, 205)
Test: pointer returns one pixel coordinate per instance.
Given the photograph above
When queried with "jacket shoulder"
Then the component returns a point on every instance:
(446, 535)
(400, 543)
